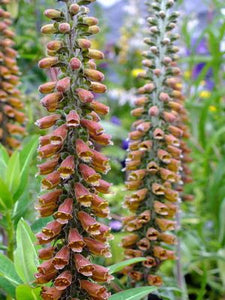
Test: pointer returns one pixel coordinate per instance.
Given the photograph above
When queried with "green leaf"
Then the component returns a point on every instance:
(26, 155)
(4, 154)
(4, 157)
(24, 291)
(6, 200)
(7, 287)
(8, 271)
(120, 266)
(133, 294)
(40, 223)
(25, 256)
(13, 172)
(221, 266)
(222, 221)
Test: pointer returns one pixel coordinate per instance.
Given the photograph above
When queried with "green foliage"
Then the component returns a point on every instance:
(133, 294)
(120, 266)
(25, 256)
(8, 271)
(26, 292)
(14, 175)
(14, 275)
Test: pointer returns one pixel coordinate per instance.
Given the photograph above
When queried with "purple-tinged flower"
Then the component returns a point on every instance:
(115, 225)
(125, 144)
(115, 121)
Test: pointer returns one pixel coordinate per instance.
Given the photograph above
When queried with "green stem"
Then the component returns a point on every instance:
(10, 235)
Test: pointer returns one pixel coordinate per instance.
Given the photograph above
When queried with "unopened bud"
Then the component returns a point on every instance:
(154, 49)
(47, 62)
(167, 60)
(74, 9)
(93, 29)
(63, 85)
(53, 14)
(54, 45)
(153, 111)
(95, 54)
(48, 29)
(64, 27)
(94, 75)
(90, 21)
(75, 63)
(164, 97)
(147, 63)
(84, 44)
(97, 87)
(162, 14)
(154, 29)
(157, 72)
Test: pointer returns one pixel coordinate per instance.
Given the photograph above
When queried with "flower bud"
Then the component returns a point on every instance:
(84, 44)
(63, 85)
(75, 64)
(95, 54)
(94, 75)
(97, 87)
(64, 28)
(48, 29)
(84, 95)
(74, 9)
(53, 14)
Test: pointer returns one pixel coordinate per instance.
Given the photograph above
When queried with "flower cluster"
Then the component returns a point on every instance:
(11, 116)
(72, 165)
(156, 162)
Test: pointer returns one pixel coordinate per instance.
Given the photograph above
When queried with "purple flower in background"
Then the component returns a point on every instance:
(115, 225)
(198, 69)
(125, 144)
(103, 65)
(201, 48)
(198, 47)
(115, 121)
(209, 84)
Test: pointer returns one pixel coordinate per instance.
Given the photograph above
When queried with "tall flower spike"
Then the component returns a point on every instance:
(72, 165)
(11, 116)
(157, 151)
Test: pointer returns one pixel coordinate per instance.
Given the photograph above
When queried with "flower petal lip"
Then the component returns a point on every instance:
(76, 241)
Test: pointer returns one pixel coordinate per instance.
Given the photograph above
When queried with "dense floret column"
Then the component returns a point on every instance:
(72, 165)
(11, 116)
(157, 152)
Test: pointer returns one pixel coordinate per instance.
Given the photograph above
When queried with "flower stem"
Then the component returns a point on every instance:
(10, 234)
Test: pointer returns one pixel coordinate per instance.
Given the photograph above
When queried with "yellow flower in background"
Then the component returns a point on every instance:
(135, 72)
(204, 94)
(187, 74)
(94, 44)
(212, 108)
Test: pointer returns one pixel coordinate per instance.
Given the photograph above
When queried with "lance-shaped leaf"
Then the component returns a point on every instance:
(133, 294)
(120, 266)
(8, 271)
(26, 258)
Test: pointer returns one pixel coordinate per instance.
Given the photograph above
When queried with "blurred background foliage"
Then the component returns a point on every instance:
(202, 29)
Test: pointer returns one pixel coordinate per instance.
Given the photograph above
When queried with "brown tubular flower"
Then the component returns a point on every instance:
(156, 162)
(70, 161)
(11, 116)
